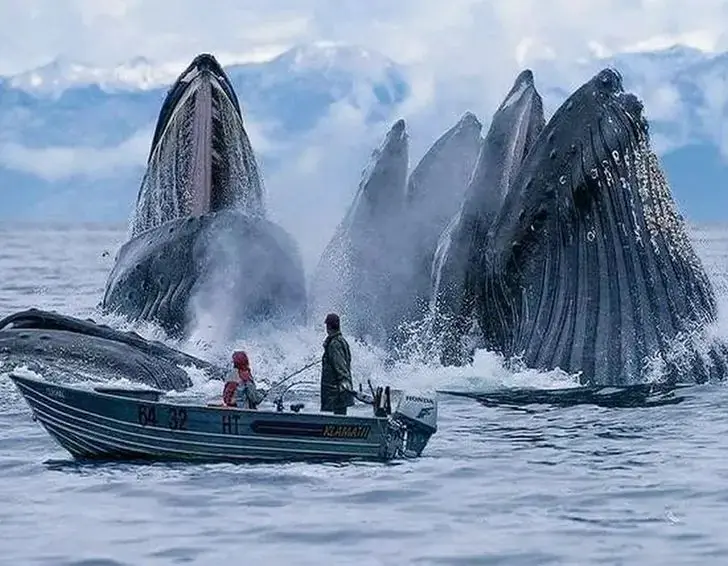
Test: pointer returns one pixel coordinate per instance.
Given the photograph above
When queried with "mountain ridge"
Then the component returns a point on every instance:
(73, 142)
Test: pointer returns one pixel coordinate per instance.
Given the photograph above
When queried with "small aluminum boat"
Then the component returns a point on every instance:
(138, 424)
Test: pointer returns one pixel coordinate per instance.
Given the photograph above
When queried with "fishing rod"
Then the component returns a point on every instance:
(289, 376)
(278, 401)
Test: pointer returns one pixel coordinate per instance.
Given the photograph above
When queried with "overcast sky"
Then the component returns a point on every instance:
(481, 44)
(454, 36)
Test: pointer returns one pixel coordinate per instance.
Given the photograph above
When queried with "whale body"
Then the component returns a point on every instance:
(587, 265)
(201, 249)
(63, 347)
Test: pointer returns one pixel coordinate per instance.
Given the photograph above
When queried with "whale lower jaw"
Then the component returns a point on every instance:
(590, 269)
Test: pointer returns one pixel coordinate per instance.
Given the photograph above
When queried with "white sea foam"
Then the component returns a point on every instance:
(50, 281)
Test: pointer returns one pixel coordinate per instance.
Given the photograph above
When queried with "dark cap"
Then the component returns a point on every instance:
(332, 321)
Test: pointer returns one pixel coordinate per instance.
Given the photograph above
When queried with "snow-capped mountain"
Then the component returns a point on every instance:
(73, 138)
(141, 74)
(60, 75)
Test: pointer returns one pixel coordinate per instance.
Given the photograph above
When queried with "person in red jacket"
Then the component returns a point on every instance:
(240, 389)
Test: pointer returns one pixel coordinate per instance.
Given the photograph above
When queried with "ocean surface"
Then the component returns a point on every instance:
(496, 485)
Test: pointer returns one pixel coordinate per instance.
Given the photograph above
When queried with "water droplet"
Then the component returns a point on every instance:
(562, 179)
(594, 173)
(552, 154)
(615, 155)
(590, 235)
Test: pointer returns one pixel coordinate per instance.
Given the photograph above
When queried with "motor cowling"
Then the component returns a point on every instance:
(418, 413)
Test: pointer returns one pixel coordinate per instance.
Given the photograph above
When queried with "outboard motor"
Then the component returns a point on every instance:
(418, 415)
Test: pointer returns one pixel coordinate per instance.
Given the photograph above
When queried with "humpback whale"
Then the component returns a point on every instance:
(562, 246)
(376, 268)
(463, 243)
(587, 264)
(356, 271)
(200, 245)
(53, 341)
(435, 189)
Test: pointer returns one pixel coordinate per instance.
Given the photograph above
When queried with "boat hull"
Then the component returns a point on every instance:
(107, 426)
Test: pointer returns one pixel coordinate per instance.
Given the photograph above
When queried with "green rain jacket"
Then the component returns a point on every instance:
(336, 386)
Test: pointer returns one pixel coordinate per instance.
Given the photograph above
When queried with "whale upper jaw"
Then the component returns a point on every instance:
(458, 266)
(62, 346)
(600, 110)
(204, 67)
(382, 186)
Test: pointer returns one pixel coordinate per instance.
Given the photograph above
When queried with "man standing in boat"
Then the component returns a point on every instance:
(337, 391)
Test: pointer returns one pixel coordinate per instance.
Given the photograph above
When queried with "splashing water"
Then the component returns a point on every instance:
(68, 273)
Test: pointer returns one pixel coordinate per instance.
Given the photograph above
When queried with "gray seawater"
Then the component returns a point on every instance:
(542, 485)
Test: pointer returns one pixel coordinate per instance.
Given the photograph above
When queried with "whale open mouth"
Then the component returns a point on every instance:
(200, 222)
(588, 253)
(200, 160)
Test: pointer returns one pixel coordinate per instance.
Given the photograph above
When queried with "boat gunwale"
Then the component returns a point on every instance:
(220, 409)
